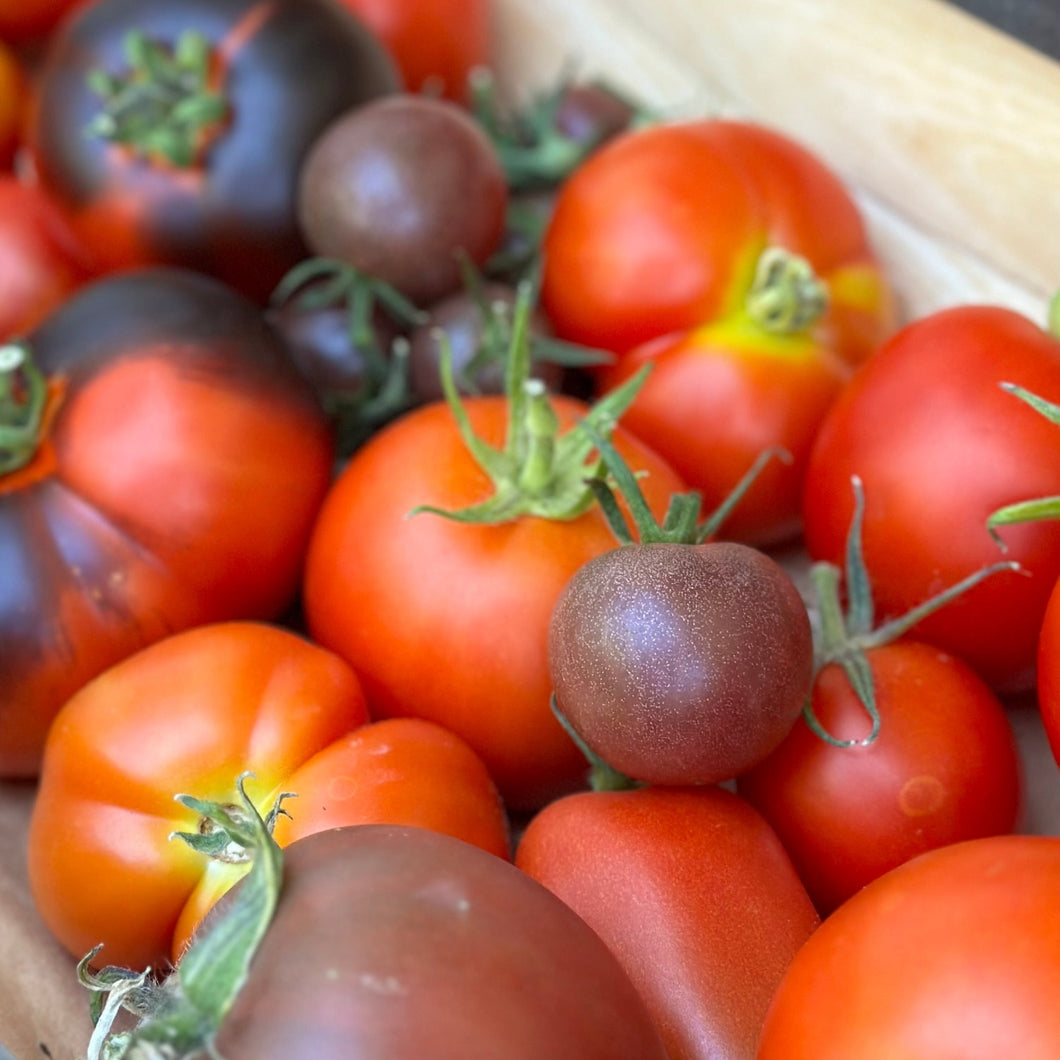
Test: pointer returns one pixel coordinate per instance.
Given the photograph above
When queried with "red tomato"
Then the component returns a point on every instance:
(940, 446)
(41, 262)
(655, 251)
(189, 715)
(217, 196)
(692, 892)
(435, 43)
(27, 20)
(13, 91)
(1049, 671)
(943, 768)
(171, 479)
(449, 621)
(953, 956)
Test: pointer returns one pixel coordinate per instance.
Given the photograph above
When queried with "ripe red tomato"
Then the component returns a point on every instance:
(189, 715)
(13, 92)
(449, 621)
(694, 894)
(939, 446)
(41, 261)
(215, 193)
(953, 956)
(171, 478)
(943, 768)
(435, 43)
(1049, 671)
(664, 248)
(27, 20)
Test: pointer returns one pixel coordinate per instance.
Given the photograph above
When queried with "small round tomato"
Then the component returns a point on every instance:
(737, 265)
(162, 466)
(448, 620)
(1049, 671)
(174, 133)
(435, 43)
(940, 446)
(942, 768)
(955, 955)
(189, 715)
(41, 261)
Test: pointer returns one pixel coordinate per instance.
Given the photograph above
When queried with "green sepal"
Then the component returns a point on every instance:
(23, 400)
(602, 777)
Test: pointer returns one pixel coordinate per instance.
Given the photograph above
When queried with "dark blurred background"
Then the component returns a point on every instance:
(1035, 22)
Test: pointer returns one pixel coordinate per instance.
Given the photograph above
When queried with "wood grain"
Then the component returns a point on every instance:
(945, 127)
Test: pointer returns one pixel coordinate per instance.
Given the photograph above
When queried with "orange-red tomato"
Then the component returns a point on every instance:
(658, 251)
(13, 92)
(41, 261)
(29, 20)
(435, 43)
(172, 479)
(449, 621)
(188, 715)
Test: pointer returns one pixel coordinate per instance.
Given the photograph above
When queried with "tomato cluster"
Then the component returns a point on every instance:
(485, 580)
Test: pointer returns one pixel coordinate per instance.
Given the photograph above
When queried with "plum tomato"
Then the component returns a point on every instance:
(954, 955)
(694, 894)
(910, 424)
(173, 133)
(681, 664)
(162, 466)
(736, 264)
(399, 189)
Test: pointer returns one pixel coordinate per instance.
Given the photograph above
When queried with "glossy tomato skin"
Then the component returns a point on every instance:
(435, 43)
(952, 956)
(652, 253)
(186, 715)
(943, 768)
(692, 891)
(397, 771)
(1048, 675)
(448, 621)
(440, 951)
(41, 261)
(182, 464)
(939, 446)
(288, 67)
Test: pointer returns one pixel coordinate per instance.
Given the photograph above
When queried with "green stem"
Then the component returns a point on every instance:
(786, 297)
(23, 399)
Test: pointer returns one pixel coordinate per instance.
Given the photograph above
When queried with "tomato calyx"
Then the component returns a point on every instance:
(681, 524)
(1041, 508)
(180, 1015)
(23, 400)
(786, 295)
(165, 107)
(538, 471)
(845, 637)
(602, 775)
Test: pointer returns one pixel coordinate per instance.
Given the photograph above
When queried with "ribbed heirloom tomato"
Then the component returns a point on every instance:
(162, 464)
(189, 715)
(738, 265)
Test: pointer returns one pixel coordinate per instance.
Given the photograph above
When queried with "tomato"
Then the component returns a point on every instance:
(738, 265)
(943, 768)
(940, 446)
(13, 92)
(168, 477)
(693, 893)
(953, 956)
(215, 193)
(41, 261)
(435, 43)
(188, 715)
(22, 21)
(447, 620)
(1048, 684)
(681, 663)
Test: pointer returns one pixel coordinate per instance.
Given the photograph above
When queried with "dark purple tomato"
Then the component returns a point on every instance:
(402, 188)
(681, 664)
(211, 186)
(402, 944)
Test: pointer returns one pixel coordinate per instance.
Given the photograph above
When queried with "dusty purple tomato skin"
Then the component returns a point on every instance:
(681, 664)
